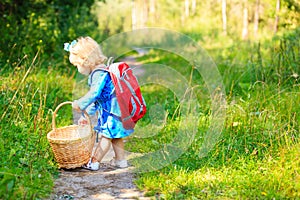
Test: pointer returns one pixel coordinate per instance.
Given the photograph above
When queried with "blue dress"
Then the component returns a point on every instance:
(101, 97)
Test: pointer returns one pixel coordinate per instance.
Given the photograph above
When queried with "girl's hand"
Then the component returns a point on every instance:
(82, 121)
(76, 107)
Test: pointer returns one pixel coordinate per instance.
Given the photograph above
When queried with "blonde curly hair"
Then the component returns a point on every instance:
(86, 53)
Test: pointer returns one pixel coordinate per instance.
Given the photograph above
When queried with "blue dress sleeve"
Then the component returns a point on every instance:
(98, 80)
(91, 109)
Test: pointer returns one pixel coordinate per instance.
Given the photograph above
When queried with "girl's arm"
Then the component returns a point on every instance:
(91, 109)
(98, 82)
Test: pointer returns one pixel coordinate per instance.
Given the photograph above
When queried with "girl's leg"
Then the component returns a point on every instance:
(118, 146)
(119, 160)
(101, 149)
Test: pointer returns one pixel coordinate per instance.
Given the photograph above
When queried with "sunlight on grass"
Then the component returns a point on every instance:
(27, 165)
(270, 178)
(257, 156)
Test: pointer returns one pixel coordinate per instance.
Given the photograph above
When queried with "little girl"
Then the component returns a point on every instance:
(86, 55)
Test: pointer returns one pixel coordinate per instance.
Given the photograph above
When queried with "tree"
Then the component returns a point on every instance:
(144, 13)
(277, 16)
(187, 8)
(194, 6)
(224, 17)
(245, 31)
(134, 15)
(256, 18)
(28, 26)
(152, 10)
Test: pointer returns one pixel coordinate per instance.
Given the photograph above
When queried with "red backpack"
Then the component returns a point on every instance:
(128, 93)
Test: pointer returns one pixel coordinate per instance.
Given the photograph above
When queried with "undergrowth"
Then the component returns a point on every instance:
(257, 156)
(29, 93)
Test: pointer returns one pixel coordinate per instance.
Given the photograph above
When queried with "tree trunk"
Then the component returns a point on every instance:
(144, 13)
(245, 22)
(277, 16)
(187, 8)
(224, 17)
(152, 7)
(194, 6)
(152, 10)
(133, 15)
(256, 19)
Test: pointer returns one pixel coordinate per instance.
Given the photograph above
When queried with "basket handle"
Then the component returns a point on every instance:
(65, 103)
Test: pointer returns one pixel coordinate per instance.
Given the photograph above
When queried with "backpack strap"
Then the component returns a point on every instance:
(106, 70)
(113, 115)
(92, 74)
(109, 61)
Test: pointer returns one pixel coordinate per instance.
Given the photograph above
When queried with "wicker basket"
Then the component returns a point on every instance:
(72, 145)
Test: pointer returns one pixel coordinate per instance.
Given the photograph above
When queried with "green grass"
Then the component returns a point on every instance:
(246, 178)
(28, 96)
(257, 156)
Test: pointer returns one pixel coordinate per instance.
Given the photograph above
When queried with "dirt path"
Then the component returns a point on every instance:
(105, 184)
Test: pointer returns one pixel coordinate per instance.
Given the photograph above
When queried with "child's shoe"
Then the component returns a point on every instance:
(119, 163)
(94, 166)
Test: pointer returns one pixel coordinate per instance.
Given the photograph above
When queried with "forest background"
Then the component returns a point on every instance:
(255, 45)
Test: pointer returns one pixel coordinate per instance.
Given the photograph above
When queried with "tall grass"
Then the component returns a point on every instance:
(257, 156)
(29, 92)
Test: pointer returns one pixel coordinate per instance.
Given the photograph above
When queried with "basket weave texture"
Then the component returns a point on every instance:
(72, 145)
